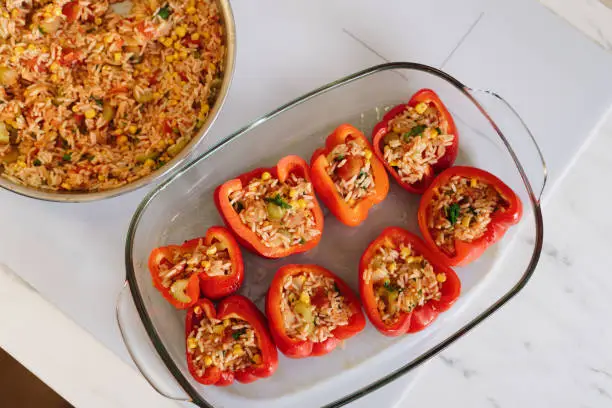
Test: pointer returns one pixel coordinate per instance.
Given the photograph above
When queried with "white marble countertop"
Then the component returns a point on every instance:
(548, 347)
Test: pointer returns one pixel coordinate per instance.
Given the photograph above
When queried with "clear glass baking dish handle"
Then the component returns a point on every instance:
(515, 135)
(146, 358)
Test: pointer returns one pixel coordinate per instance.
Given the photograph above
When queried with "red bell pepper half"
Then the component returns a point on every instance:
(200, 265)
(351, 214)
(287, 166)
(446, 125)
(225, 337)
(462, 252)
(375, 288)
(308, 304)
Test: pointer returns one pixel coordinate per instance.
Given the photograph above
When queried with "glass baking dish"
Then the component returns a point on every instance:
(182, 207)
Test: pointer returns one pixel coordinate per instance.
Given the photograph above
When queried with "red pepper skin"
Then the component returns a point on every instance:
(421, 316)
(214, 287)
(467, 252)
(324, 186)
(286, 166)
(447, 126)
(297, 348)
(234, 306)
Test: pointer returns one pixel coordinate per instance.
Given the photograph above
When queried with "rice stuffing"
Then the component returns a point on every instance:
(91, 99)
(280, 214)
(229, 344)
(415, 141)
(402, 280)
(461, 209)
(175, 271)
(350, 170)
(312, 307)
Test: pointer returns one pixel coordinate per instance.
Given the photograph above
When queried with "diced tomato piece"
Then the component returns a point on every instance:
(71, 11)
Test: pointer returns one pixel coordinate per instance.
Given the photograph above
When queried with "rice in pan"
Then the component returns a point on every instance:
(91, 99)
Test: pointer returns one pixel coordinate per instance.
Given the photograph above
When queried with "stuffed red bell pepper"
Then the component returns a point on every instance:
(211, 265)
(417, 140)
(273, 212)
(311, 311)
(347, 176)
(403, 285)
(464, 211)
(230, 343)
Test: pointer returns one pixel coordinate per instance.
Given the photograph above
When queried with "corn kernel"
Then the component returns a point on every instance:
(75, 109)
(53, 78)
(15, 13)
(31, 47)
(98, 20)
(205, 108)
(212, 67)
(54, 67)
(191, 10)
(108, 38)
(101, 177)
(305, 298)
(368, 154)
(183, 54)
(122, 139)
(238, 351)
(19, 50)
(169, 58)
(465, 222)
(420, 108)
(192, 343)
(293, 193)
(412, 259)
(205, 264)
(90, 113)
(473, 182)
(433, 132)
(156, 95)
(197, 310)
(405, 252)
(441, 277)
(180, 31)
(394, 163)
(195, 36)
(66, 186)
(132, 129)
(207, 361)
(206, 35)
(226, 322)
(266, 176)
(218, 329)
(174, 37)
(392, 267)
(21, 163)
(211, 250)
(149, 163)
(175, 56)
(302, 203)
(117, 56)
(177, 46)
(257, 359)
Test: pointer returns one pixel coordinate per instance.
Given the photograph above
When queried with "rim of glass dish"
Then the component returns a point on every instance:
(83, 197)
(152, 332)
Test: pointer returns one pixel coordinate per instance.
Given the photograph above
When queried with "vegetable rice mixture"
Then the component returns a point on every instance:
(279, 213)
(213, 260)
(91, 99)
(462, 209)
(350, 170)
(415, 141)
(228, 344)
(402, 280)
(312, 307)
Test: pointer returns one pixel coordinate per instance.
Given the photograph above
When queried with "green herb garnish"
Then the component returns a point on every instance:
(472, 210)
(452, 213)
(41, 30)
(67, 156)
(164, 12)
(236, 335)
(361, 174)
(238, 206)
(278, 200)
(302, 241)
(99, 102)
(37, 162)
(439, 130)
(417, 130)
(340, 157)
